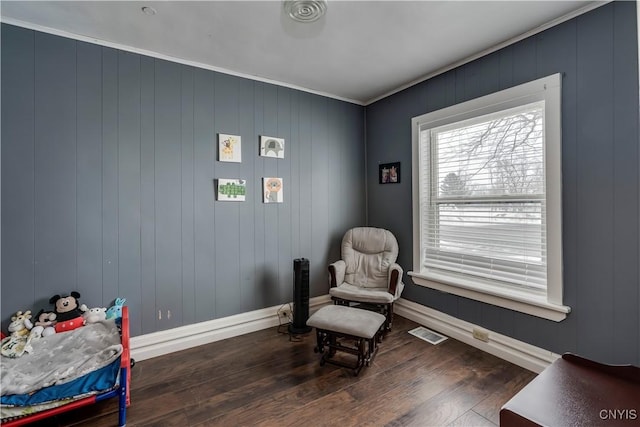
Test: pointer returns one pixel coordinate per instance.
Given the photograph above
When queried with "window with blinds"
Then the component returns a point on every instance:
(487, 199)
(485, 206)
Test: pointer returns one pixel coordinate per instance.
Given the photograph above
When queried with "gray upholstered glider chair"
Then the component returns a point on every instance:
(367, 274)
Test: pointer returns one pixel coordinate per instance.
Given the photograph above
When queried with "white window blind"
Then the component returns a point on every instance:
(487, 199)
(484, 214)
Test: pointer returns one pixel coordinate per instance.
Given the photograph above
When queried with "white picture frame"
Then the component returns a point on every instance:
(229, 148)
(272, 190)
(271, 147)
(232, 190)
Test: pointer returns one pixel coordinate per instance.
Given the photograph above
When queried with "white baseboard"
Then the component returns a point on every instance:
(164, 342)
(520, 353)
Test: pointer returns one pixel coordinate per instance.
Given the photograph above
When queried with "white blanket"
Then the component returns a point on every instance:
(60, 358)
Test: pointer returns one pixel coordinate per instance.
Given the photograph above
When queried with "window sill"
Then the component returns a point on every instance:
(535, 305)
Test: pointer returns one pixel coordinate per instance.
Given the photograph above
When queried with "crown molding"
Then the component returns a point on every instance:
(152, 54)
(541, 28)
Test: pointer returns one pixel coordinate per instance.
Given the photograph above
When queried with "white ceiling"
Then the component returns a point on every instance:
(360, 51)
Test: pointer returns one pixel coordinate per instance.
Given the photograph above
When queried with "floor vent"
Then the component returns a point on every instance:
(427, 335)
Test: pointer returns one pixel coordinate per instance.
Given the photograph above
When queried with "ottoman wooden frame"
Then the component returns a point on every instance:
(336, 324)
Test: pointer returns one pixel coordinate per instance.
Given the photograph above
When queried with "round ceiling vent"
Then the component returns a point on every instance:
(305, 10)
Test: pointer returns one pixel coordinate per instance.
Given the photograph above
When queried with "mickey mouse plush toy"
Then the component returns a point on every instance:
(68, 313)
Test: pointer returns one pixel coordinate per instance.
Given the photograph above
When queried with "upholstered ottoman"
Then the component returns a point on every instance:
(337, 326)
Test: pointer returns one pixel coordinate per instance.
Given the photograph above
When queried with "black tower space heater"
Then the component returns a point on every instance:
(300, 296)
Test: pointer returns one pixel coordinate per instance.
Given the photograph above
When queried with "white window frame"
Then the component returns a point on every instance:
(549, 305)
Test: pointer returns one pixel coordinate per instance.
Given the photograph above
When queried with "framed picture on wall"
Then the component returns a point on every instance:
(271, 147)
(232, 190)
(272, 188)
(389, 173)
(229, 148)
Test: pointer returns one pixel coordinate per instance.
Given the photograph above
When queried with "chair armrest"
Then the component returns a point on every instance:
(336, 273)
(395, 280)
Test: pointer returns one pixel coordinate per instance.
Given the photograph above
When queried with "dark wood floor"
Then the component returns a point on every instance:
(264, 379)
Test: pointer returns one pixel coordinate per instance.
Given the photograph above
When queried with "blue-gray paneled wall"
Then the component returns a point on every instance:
(598, 55)
(108, 168)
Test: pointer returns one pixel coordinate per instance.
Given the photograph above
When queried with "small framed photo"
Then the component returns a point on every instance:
(271, 147)
(232, 190)
(229, 148)
(389, 173)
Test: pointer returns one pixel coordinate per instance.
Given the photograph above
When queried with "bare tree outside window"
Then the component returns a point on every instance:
(500, 156)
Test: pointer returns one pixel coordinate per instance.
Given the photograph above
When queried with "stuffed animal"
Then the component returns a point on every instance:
(20, 324)
(94, 315)
(115, 311)
(44, 324)
(16, 344)
(68, 311)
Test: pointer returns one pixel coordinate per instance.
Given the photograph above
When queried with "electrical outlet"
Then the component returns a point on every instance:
(481, 334)
(284, 313)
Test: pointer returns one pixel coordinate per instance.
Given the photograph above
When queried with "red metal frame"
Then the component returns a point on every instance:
(122, 391)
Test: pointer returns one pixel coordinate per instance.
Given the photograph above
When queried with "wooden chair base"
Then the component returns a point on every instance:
(330, 342)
